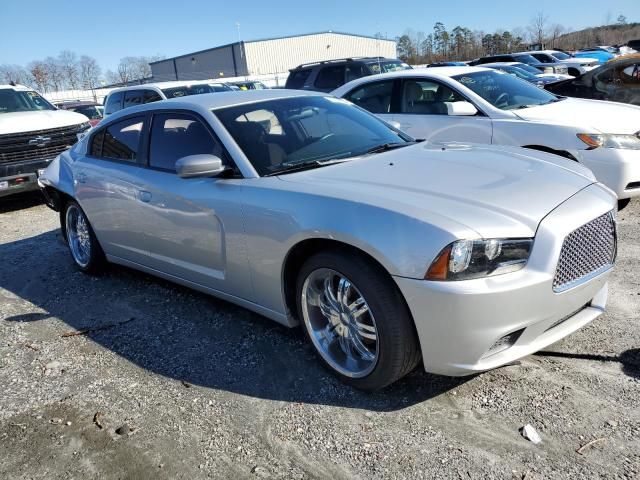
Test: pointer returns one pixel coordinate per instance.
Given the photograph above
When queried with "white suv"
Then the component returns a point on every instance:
(32, 133)
(576, 66)
(479, 105)
(125, 97)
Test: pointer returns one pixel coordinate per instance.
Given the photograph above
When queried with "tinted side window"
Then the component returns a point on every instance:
(297, 79)
(132, 98)
(427, 97)
(151, 96)
(114, 103)
(330, 77)
(175, 135)
(375, 97)
(96, 144)
(121, 139)
(356, 70)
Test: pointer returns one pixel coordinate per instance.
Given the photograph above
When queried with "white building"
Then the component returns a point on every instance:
(269, 56)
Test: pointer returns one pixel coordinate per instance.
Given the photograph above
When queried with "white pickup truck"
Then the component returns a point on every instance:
(32, 133)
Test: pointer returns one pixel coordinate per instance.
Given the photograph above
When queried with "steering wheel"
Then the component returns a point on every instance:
(503, 99)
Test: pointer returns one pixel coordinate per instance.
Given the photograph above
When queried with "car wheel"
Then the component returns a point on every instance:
(356, 319)
(623, 202)
(83, 245)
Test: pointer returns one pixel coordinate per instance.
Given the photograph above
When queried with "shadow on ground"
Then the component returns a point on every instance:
(181, 334)
(20, 201)
(629, 359)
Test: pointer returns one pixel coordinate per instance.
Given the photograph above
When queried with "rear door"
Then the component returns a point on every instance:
(108, 184)
(375, 97)
(421, 110)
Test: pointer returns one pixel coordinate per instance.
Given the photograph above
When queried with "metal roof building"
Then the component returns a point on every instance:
(272, 55)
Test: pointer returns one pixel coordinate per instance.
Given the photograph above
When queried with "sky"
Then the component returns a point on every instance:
(111, 29)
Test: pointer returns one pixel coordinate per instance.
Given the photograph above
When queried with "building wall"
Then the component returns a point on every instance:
(219, 62)
(283, 54)
(269, 56)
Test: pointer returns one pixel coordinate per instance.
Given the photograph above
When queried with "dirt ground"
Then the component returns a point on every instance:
(128, 376)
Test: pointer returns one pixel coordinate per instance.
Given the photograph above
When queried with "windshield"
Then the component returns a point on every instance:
(528, 68)
(528, 59)
(387, 66)
(505, 91)
(560, 55)
(187, 90)
(277, 135)
(22, 101)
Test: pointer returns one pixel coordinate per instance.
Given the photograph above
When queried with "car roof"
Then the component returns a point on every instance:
(432, 72)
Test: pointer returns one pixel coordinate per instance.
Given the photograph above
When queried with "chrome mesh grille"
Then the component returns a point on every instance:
(586, 251)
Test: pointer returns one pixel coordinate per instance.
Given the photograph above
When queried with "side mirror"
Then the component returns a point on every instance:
(202, 165)
(461, 109)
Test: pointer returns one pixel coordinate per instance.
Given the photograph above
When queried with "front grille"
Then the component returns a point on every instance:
(44, 143)
(586, 252)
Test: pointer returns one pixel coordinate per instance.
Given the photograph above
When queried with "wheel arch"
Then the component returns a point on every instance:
(301, 251)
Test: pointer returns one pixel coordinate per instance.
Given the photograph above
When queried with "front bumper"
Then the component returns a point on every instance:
(458, 323)
(21, 177)
(618, 169)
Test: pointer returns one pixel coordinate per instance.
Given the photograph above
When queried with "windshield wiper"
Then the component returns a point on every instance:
(385, 147)
(300, 166)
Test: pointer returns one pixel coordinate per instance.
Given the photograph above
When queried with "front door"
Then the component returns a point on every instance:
(422, 112)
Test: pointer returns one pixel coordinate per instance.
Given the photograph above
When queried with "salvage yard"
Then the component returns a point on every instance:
(129, 376)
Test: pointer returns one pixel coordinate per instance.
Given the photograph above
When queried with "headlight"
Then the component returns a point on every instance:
(468, 259)
(627, 142)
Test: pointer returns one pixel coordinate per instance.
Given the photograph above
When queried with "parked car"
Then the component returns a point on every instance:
(516, 69)
(250, 85)
(486, 106)
(617, 80)
(126, 97)
(575, 66)
(524, 57)
(326, 76)
(599, 53)
(275, 200)
(92, 110)
(32, 133)
(447, 64)
(222, 87)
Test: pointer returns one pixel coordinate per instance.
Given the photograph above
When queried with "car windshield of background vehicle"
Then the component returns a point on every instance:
(15, 101)
(560, 55)
(528, 59)
(177, 92)
(504, 91)
(528, 68)
(278, 135)
(91, 112)
(387, 67)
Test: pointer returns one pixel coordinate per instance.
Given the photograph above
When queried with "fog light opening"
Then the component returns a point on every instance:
(503, 343)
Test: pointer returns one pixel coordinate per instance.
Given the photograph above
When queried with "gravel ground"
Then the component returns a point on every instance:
(128, 376)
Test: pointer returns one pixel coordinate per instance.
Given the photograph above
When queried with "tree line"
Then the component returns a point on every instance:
(70, 71)
(461, 43)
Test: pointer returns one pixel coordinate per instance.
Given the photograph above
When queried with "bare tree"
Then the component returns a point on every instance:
(14, 73)
(68, 66)
(55, 76)
(538, 28)
(554, 32)
(89, 72)
(40, 74)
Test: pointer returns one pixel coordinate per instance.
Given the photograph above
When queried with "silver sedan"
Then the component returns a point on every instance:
(309, 210)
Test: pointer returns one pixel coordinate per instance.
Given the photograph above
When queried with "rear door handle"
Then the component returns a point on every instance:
(144, 196)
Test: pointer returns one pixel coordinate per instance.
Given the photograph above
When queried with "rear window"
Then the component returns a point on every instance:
(133, 98)
(114, 103)
(297, 79)
(89, 111)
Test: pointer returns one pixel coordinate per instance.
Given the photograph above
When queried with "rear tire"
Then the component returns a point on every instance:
(83, 245)
(356, 319)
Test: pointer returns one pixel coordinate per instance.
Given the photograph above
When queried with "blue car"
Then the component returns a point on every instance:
(599, 53)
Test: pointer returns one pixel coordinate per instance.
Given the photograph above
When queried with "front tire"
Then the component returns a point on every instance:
(81, 240)
(356, 319)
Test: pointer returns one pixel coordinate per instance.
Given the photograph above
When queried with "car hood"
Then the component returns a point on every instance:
(495, 191)
(603, 117)
(19, 122)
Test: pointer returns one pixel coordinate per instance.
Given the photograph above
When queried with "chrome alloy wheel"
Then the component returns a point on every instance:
(340, 323)
(78, 236)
